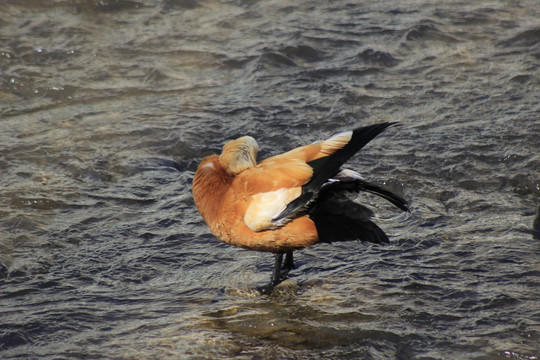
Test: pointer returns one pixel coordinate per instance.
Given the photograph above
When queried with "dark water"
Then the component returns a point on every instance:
(106, 108)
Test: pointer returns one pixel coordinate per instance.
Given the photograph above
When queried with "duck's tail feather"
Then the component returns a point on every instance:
(345, 221)
(358, 184)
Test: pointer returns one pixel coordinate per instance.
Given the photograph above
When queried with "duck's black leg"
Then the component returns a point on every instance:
(288, 265)
(276, 275)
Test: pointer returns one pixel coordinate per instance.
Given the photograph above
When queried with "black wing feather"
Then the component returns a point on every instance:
(328, 166)
(357, 185)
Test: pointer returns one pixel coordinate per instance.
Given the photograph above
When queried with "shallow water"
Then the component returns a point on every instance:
(108, 106)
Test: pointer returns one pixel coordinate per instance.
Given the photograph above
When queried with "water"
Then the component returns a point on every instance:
(106, 108)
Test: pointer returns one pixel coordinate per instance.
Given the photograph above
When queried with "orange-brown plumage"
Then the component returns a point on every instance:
(273, 205)
(222, 200)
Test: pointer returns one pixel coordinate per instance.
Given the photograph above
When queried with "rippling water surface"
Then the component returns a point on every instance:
(106, 108)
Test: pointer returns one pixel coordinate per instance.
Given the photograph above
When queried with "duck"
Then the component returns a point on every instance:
(290, 201)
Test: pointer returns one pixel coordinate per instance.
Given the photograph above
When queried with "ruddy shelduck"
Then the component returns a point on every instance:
(289, 201)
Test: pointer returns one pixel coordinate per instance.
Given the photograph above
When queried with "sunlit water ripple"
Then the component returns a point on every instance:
(106, 108)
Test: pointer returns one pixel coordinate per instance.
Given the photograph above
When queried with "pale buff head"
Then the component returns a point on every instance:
(239, 155)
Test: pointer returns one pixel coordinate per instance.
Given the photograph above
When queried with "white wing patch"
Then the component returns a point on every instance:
(265, 206)
(331, 145)
(347, 175)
